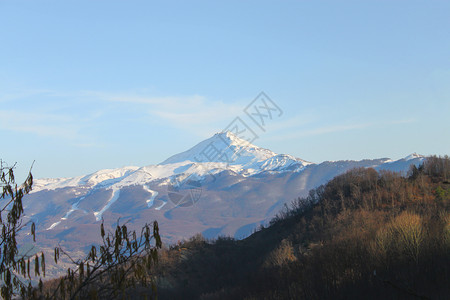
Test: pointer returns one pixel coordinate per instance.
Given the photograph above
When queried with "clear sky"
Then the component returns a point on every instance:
(89, 85)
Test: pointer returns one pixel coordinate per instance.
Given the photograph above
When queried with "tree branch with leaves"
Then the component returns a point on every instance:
(15, 272)
(123, 260)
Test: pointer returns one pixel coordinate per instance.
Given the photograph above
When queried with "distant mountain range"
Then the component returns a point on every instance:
(222, 186)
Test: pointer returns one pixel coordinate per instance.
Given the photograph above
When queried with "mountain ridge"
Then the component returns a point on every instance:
(186, 197)
(231, 152)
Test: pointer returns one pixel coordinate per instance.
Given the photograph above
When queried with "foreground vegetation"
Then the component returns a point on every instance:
(123, 259)
(364, 235)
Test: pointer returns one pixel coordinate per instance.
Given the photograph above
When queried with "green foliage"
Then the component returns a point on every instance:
(442, 194)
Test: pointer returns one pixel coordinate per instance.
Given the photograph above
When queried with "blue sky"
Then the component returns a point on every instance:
(88, 85)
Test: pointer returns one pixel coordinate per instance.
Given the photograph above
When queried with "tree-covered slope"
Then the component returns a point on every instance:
(365, 234)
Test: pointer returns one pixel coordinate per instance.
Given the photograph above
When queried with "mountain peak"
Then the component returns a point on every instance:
(228, 134)
(414, 156)
(222, 151)
(231, 139)
(225, 147)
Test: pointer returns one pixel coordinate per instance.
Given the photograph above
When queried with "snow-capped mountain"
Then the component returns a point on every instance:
(223, 151)
(221, 186)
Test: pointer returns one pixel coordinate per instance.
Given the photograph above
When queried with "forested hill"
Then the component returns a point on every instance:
(365, 234)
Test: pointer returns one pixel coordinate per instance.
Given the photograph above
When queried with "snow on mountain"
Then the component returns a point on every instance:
(223, 147)
(115, 195)
(94, 179)
(413, 156)
(250, 185)
(223, 151)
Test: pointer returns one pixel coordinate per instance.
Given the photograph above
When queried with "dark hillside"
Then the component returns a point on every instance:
(365, 234)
